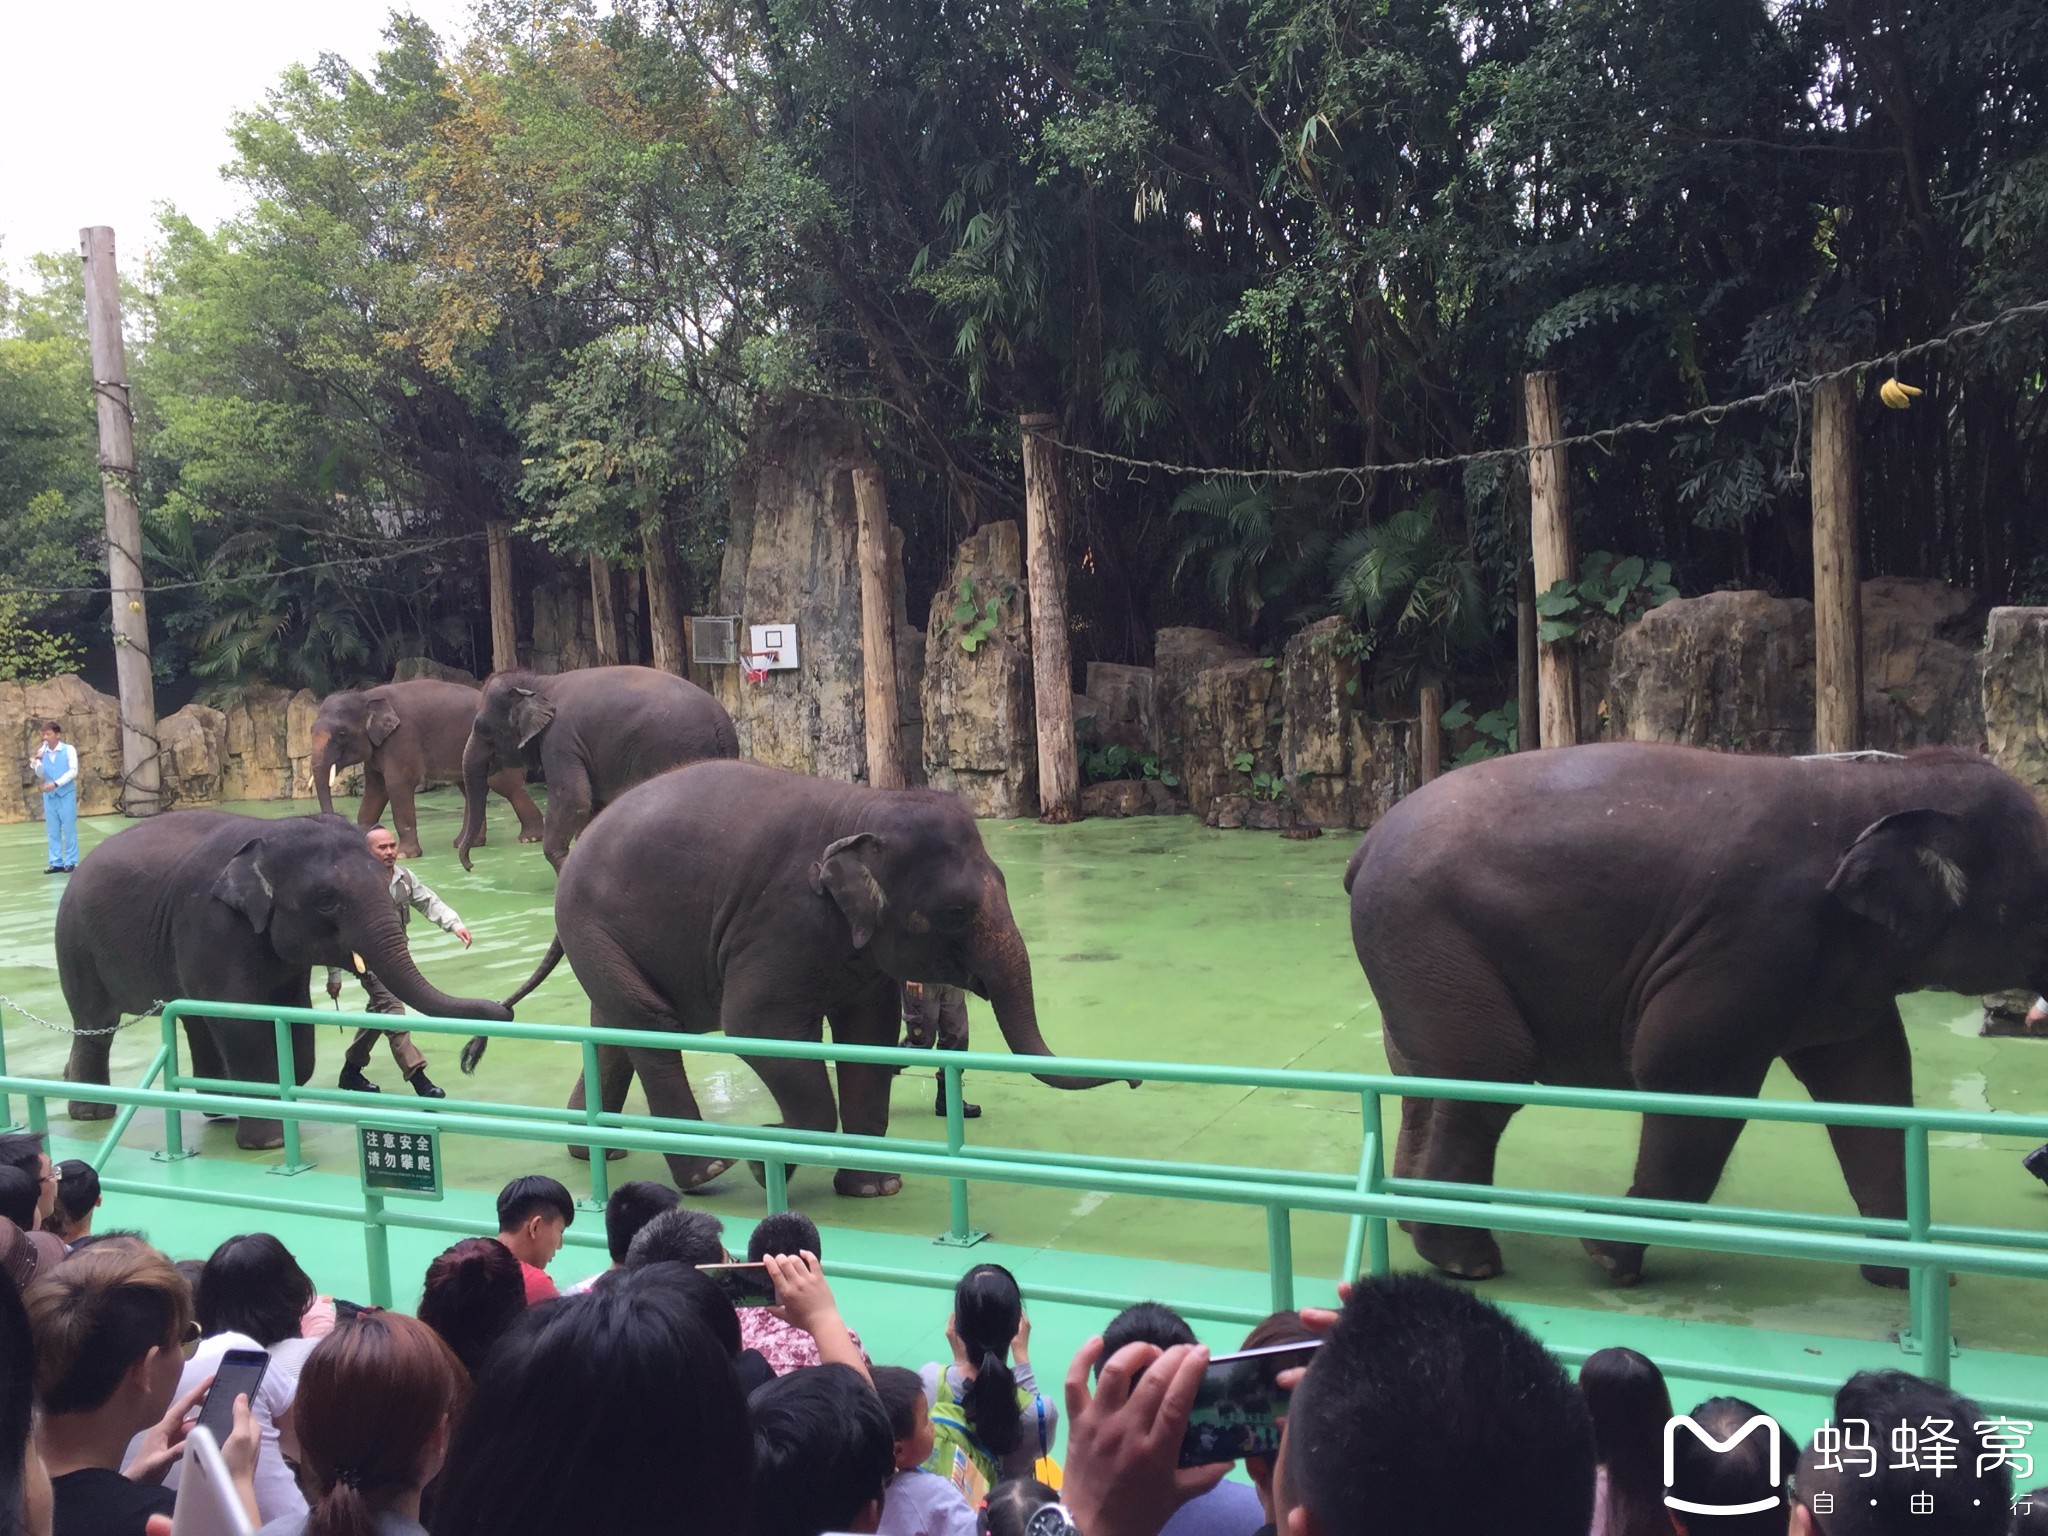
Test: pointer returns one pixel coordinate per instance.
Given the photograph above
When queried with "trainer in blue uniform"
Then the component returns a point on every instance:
(55, 765)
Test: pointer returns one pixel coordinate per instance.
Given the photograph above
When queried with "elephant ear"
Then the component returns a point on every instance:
(841, 874)
(529, 714)
(244, 886)
(381, 721)
(1904, 873)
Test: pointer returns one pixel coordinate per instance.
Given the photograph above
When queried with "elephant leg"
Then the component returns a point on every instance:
(92, 1011)
(405, 820)
(614, 1078)
(802, 1091)
(1463, 1140)
(203, 1042)
(1414, 1133)
(864, 1087)
(370, 809)
(511, 785)
(1876, 1068)
(669, 1098)
(568, 812)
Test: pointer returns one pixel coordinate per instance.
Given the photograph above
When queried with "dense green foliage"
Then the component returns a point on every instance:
(546, 275)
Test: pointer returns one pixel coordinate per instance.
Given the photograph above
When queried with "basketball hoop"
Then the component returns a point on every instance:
(756, 664)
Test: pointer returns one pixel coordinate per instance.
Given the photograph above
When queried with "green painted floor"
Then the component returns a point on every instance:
(1161, 939)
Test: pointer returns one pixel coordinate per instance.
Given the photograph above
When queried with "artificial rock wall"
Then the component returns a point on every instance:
(980, 730)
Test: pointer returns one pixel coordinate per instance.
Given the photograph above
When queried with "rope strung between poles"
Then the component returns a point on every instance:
(1795, 389)
(38, 1020)
(425, 546)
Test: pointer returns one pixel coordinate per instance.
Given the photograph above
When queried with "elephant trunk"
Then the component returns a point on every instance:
(1003, 968)
(323, 769)
(476, 777)
(381, 944)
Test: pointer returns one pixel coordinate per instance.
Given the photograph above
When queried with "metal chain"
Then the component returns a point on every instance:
(37, 1019)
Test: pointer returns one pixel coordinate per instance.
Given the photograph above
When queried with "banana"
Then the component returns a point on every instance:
(1896, 395)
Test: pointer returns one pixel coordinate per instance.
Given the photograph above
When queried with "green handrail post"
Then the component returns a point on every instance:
(1280, 1255)
(1928, 1333)
(125, 1117)
(960, 1234)
(287, 1090)
(174, 1122)
(1365, 1245)
(593, 1106)
(38, 1114)
(775, 1180)
(7, 1120)
(377, 1249)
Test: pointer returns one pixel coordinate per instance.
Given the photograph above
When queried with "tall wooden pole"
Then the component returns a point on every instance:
(1550, 538)
(665, 644)
(1528, 717)
(604, 611)
(877, 630)
(141, 790)
(1432, 726)
(1052, 670)
(504, 609)
(1837, 595)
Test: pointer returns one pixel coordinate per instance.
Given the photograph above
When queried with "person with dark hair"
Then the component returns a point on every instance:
(409, 894)
(1630, 1404)
(1852, 1481)
(55, 766)
(917, 1502)
(19, 1194)
(823, 1453)
(474, 1293)
(680, 1236)
(1228, 1509)
(629, 1208)
(25, 1150)
(78, 1196)
(1278, 1328)
(786, 1347)
(24, 1485)
(378, 1400)
(533, 1213)
(1428, 1409)
(989, 1421)
(1012, 1503)
(627, 1402)
(109, 1329)
(252, 1295)
(1741, 1474)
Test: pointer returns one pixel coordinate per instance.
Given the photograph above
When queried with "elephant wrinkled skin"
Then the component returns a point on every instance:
(739, 897)
(237, 909)
(1670, 919)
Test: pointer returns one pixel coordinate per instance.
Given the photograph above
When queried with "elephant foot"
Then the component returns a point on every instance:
(866, 1186)
(529, 837)
(611, 1154)
(411, 850)
(259, 1135)
(80, 1110)
(1466, 1252)
(695, 1172)
(1623, 1262)
(1890, 1278)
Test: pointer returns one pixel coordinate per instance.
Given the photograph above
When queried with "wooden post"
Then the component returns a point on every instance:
(665, 643)
(1052, 669)
(1550, 537)
(604, 611)
(630, 649)
(504, 605)
(877, 630)
(1528, 716)
(1432, 722)
(1837, 595)
(141, 792)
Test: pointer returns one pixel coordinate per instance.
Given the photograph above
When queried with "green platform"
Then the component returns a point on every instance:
(1157, 939)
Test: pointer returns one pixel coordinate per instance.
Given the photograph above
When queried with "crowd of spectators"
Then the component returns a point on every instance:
(645, 1401)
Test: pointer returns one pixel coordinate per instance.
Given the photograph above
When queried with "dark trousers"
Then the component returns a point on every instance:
(408, 1056)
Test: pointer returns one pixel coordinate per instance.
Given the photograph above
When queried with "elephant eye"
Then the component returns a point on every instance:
(327, 902)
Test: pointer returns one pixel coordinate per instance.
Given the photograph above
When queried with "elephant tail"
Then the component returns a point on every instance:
(473, 1051)
(1357, 862)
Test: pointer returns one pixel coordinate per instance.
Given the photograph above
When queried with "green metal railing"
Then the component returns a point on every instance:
(1928, 1250)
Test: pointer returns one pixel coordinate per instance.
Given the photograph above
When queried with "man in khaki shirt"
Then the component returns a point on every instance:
(409, 894)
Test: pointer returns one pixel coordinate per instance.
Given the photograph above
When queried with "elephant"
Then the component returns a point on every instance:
(207, 904)
(406, 736)
(594, 734)
(734, 896)
(1629, 915)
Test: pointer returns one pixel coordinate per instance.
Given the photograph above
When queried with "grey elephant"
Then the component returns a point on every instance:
(1670, 919)
(594, 734)
(206, 904)
(407, 736)
(739, 897)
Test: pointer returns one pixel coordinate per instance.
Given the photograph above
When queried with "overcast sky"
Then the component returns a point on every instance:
(149, 123)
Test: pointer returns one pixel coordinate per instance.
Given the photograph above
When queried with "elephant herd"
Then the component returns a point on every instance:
(1621, 915)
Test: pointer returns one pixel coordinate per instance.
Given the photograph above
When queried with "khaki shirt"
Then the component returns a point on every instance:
(409, 893)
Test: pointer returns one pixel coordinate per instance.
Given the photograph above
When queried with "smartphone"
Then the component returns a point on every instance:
(745, 1285)
(238, 1375)
(207, 1504)
(1238, 1408)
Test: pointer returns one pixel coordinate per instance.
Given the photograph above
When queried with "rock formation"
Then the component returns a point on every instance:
(980, 726)
(92, 724)
(2015, 695)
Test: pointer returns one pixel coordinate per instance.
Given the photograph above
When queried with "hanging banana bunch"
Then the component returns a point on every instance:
(1896, 395)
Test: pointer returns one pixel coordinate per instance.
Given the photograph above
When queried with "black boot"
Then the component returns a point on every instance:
(353, 1080)
(967, 1111)
(424, 1085)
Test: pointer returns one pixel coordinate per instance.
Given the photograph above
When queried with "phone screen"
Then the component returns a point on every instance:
(239, 1373)
(1238, 1408)
(745, 1285)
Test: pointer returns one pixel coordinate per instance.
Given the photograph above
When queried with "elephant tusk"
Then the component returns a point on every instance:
(333, 777)
(357, 961)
